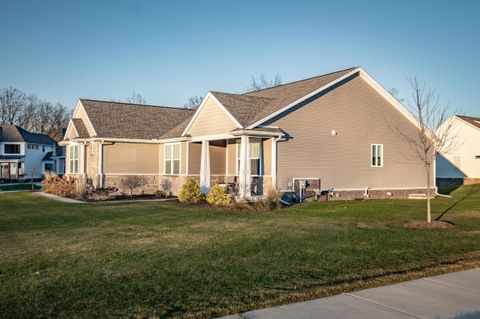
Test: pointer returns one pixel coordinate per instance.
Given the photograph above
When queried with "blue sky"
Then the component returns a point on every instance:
(170, 50)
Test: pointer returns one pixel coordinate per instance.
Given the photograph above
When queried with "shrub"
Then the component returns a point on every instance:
(190, 192)
(100, 193)
(270, 202)
(132, 182)
(217, 196)
(160, 193)
(166, 186)
(65, 186)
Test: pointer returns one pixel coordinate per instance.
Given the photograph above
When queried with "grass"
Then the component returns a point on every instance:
(18, 187)
(161, 259)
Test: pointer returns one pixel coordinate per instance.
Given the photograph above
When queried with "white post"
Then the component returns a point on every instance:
(274, 163)
(244, 171)
(100, 164)
(205, 167)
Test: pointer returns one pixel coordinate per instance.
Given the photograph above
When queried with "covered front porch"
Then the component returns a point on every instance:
(244, 164)
(11, 169)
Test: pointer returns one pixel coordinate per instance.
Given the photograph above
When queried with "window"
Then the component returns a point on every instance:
(12, 149)
(377, 155)
(172, 159)
(255, 156)
(73, 156)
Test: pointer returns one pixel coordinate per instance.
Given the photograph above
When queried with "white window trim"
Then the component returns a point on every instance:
(165, 159)
(70, 167)
(260, 158)
(382, 157)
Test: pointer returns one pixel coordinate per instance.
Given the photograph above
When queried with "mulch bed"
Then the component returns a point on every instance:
(126, 197)
(423, 224)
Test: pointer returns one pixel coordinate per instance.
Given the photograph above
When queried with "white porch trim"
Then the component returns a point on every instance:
(205, 167)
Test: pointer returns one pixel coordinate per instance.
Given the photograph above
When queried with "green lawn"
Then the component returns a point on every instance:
(161, 259)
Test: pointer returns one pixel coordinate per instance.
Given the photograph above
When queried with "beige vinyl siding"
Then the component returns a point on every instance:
(81, 114)
(267, 156)
(131, 158)
(217, 157)
(232, 157)
(361, 117)
(212, 119)
(195, 157)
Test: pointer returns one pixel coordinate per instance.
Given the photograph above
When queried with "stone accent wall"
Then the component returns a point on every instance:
(469, 181)
(176, 182)
(92, 164)
(115, 181)
(376, 194)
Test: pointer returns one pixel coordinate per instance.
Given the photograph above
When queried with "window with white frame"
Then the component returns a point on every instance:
(255, 156)
(172, 159)
(73, 158)
(377, 155)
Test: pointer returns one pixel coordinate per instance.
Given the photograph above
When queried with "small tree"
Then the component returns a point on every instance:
(190, 192)
(435, 131)
(132, 182)
(33, 169)
(166, 186)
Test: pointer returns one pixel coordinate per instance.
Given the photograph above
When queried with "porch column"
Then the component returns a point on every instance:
(205, 167)
(244, 171)
(100, 164)
(274, 163)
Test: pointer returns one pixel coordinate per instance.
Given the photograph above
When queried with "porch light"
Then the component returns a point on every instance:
(334, 132)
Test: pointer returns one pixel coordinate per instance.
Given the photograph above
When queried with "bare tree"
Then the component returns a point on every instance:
(435, 130)
(396, 94)
(136, 98)
(193, 102)
(133, 181)
(263, 83)
(12, 102)
(33, 169)
(31, 113)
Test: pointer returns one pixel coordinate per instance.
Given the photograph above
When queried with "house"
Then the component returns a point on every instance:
(21, 153)
(461, 165)
(335, 132)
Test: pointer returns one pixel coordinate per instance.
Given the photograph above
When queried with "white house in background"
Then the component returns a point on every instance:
(22, 152)
(461, 165)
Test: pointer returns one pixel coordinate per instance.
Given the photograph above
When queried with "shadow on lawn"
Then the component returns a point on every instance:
(469, 193)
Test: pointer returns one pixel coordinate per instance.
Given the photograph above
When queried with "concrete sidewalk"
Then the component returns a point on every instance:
(454, 295)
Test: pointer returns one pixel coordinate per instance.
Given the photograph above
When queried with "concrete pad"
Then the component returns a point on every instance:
(425, 299)
(232, 317)
(468, 279)
(335, 307)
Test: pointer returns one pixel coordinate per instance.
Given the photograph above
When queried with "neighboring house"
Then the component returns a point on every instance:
(461, 165)
(21, 153)
(54, 161)
(335, 131)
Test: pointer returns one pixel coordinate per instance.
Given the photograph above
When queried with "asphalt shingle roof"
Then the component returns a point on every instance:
(475, 121)
(251, 107)
(134, 121)
(80, 128)
(13, 133)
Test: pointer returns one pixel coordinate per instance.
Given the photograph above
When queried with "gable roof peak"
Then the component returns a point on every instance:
(302, 80)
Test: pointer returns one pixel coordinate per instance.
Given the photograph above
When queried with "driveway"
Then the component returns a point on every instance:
(454, 295)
